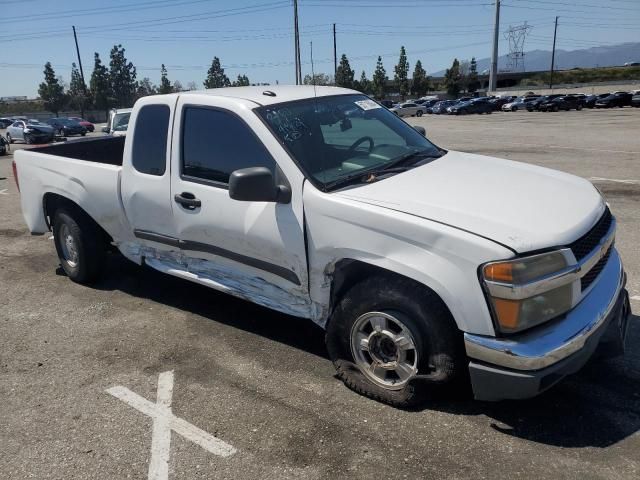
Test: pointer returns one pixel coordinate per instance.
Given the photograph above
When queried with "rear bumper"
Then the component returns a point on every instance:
(525, 365)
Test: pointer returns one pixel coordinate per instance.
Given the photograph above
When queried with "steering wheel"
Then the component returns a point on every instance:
(357, 143)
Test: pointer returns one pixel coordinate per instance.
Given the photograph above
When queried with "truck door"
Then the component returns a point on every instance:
(253, 249)
(146, 173)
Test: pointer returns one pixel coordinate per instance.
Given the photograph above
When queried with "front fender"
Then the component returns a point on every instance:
(443, 258)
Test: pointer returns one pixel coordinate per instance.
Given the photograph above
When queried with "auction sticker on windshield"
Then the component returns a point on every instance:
(367, 104)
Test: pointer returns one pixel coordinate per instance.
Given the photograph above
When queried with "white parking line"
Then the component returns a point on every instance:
(163, 422)
(614, 180)
(3, 192)
(636, 298)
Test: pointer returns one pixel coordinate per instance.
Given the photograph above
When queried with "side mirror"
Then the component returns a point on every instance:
(256, 184)
(420, 130)
(105, 129)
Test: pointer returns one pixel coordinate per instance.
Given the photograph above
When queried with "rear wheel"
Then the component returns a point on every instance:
(514, 109)
(579, 107)
(79, 244)
(419, 113)
(393, 341)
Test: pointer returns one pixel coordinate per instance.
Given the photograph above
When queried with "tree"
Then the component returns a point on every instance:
(215, 75)
(243, 81)
(420, 81)
(401, 77)
(452, 79)
(192, 85)
(78, 96)
(344, 74)
(177, 86)
(51, 91)
(145, 88)
(100, 85)
(165, 84)
(122, 77)
(364, 84)
(472, 80)
(318, 79)
(379, 80)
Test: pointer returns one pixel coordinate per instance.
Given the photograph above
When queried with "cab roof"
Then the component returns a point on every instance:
(272, 94)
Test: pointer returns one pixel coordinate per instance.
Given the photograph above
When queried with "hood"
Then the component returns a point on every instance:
(521, 206)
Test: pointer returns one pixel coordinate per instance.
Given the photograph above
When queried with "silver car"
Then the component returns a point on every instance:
(408, 109)
(29, 131)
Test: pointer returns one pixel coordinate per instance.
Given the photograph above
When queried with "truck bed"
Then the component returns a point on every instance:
(105, 149)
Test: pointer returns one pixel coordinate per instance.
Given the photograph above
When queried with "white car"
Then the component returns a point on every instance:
(408, 109)
(425, 266)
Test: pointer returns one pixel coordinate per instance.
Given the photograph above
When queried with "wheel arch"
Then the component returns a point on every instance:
(348, 272)
(53, 201)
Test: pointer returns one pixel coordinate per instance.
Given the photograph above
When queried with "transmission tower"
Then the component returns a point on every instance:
(516, 36)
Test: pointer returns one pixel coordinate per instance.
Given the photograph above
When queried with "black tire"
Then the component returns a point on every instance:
(579, 107)
(439, 349)
(9, 139)
(514, 109)
(555, 108)
(28, 140)
(419, 113)
(83, 134)
(88, 242)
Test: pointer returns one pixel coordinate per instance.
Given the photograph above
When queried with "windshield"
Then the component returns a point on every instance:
(121, 121)
(339, 137)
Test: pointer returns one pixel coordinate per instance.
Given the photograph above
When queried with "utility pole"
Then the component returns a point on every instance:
(493, 72)
(84, 85)
(335, 56)
(296, 34)
(553, 54)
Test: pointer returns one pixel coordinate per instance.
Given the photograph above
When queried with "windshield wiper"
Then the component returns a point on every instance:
(371, 175)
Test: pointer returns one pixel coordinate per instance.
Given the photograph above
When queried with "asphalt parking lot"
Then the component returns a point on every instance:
(261, 381)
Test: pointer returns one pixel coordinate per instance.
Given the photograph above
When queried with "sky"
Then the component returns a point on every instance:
(255, 37)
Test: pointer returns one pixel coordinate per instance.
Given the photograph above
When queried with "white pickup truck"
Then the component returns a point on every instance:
(425, 266)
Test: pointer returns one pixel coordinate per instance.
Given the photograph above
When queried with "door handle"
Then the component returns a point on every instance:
(187, 200)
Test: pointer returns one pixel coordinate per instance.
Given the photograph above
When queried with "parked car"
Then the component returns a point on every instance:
(65, 127)
(5, 122)
(410, 256)
(635, 100)
(616, 99)
(118, 122)
(565, 102)
(85, 123)
(408, 109)
(441, 107)
(29, 131)
(477, 105)
(498, 102)
(590, 101)
(519, 103)
(534, 105)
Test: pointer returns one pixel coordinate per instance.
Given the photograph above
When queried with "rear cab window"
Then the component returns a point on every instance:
(149, 151)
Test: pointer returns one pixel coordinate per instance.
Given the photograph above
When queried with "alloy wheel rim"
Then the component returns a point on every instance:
(384, 349)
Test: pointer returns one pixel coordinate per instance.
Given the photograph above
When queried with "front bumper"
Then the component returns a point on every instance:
(521, 366)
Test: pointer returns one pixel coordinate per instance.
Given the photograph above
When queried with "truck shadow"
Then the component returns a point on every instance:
(597, 407)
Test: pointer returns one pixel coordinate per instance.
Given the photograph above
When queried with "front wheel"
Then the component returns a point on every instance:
(514, 109)
(579, 107)
(419, 113)
(79, 244)
(394, 341)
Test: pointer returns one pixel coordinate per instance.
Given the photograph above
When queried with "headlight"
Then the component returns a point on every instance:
(528, 291)
(27, 130)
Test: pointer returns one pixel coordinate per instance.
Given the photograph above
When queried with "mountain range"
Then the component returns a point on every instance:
(536, 60)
